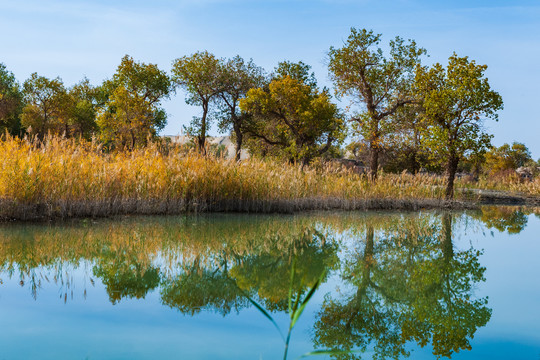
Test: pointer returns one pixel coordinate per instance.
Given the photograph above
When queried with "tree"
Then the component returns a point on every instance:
(455, 102)
(46, 106)
(399, 150)
(294, 118)
(130, 123)
(507, 157)
(198, 74)
(11, 102)
(365, 317)
(50, 107)
(201, 288)
(84, 107)
(131, 111)
(306, 254)
(379, 84)
(237, 78)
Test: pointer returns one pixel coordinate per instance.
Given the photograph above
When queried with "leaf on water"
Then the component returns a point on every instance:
(293, 270)
(265, 313)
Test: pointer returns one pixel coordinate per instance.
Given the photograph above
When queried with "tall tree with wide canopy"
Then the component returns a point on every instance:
(379, 85)
(132, 111)
(198, 75)
(456, 100)
(237, 78)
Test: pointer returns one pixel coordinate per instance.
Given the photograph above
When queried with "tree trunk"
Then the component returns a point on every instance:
(476, 170)
(368, 252)
(367, 265)
(415, 165)
(305, 162)
(201, 138)
(238, 146)
(373, 160)
(447, 246)
(447, 256)
(41, 131)
(132, 139)
(416, 146)
(451, 169)
(201, 141)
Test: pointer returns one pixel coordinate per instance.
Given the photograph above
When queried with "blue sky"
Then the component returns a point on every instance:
(72, 39)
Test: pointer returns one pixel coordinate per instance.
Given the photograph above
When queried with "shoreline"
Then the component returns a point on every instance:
(498, 197)
(12, 211)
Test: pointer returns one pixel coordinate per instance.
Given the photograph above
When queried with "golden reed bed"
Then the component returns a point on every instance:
(60, 178)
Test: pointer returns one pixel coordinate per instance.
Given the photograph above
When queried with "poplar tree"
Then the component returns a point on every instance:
(132, 110)
(198, 75)
(294, 119)
(380, 85)
(456, 100)
(237, 78)
(46, 106)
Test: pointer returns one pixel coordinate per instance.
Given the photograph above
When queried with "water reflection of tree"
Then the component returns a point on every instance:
(268, 274)
(133, 250)
(199, 287)
(125, 276)
(509, 219)
(264, 272)
(408, 285)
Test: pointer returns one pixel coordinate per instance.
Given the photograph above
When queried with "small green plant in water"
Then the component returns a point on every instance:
(295, 309)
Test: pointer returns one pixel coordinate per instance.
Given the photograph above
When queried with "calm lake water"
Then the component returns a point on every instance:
(423, 285)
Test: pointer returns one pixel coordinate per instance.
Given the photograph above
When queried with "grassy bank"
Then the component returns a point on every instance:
(62, 178)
